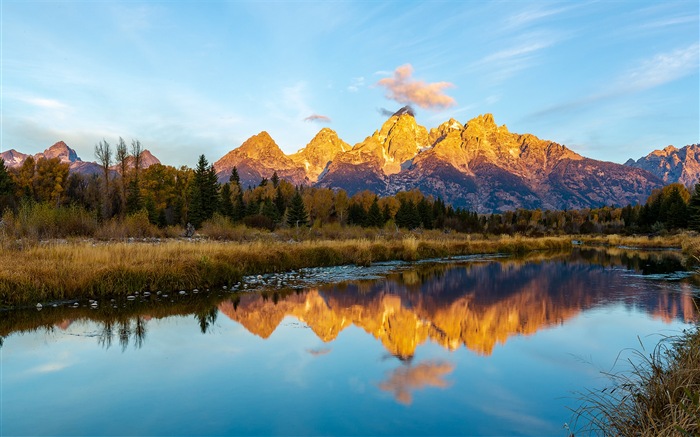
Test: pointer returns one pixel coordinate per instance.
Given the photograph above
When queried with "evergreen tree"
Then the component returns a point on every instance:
(374, 215)
(269, 210)
(134, 202)
(386, 213)
(694, 209)
(225, 202)
(275, 180)
(296, 212)
(7, 188)
(676, 210)
(425, 212)
(204, 193)
(280, 202)
(407, 216)
(234, 178)
(357, 214)
(239, 207)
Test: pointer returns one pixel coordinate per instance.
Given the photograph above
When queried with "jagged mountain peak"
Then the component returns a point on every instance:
(405, 110)
(319, 152)
(484, 123)
(262, 140)
(439, 133)
(671, 164)
(61, 151)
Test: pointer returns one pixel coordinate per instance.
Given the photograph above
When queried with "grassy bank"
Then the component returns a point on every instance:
(659, 396)
(60, 270)
(34, 271)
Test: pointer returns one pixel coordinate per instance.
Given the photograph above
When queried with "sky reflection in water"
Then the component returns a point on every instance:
(486, 347)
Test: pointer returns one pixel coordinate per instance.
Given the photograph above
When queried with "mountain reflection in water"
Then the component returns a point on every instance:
(476, 304)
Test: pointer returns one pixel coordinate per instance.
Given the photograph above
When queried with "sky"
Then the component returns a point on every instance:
(611, 80)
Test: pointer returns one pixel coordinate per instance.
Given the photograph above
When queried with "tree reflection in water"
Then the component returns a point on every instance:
(476, 304)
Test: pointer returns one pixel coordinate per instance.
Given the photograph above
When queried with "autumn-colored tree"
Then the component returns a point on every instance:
(341, 202)
(50, 180)
(24, 179)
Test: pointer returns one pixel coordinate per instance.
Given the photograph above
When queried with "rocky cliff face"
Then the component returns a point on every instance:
(485, 167)
(319, 153)
(388, 151)
(13, 158)
(672, 165)
(259, 157)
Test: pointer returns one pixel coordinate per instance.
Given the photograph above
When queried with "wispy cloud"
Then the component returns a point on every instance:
(356, 83)
(533, 15)
(404, 89)
(662, 68)
(667, 22)
(318, 118)
(652, 72)
(506, 62)
(44, 103)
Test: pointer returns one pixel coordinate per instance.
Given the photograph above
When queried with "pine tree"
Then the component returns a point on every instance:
(694, 209)
(234, 178)
(425, 212)
(280, 202)
(225, 202)
(269, 210)
(134, 202)
(275, 180)
(676, 210)
(374, 215)
(386, 213)
(296, 212)
(7, 188)
(239, 207)
(357, 214)
(204, 193)
(407, 216)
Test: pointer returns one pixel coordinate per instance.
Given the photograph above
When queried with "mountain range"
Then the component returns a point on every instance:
(477, 165)
(66, 155)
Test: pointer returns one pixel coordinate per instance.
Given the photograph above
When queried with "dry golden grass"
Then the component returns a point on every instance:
(660, 396)
(641, 241)
(77, 269)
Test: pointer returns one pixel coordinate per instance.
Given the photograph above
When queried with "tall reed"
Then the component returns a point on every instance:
(658, 396)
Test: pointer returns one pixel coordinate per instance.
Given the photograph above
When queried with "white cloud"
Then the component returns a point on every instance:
(662, 68)
(356, 83)
(44, 103)
(649, 73)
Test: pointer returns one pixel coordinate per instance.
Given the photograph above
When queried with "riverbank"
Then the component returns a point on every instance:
(659, 396)
(32, 272)
(63, 270)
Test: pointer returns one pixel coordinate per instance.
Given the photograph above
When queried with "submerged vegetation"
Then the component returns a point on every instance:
(658, 396)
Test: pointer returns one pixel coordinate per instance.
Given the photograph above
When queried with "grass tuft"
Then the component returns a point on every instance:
(659, 396)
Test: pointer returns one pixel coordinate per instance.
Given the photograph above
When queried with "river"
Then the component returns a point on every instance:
(473, 346)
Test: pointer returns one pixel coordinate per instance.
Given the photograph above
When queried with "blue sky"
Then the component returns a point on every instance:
(612, 80)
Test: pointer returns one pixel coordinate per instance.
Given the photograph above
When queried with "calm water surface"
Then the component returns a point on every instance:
(479, 347)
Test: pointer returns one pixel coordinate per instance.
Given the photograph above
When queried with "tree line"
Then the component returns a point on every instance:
(171, 196)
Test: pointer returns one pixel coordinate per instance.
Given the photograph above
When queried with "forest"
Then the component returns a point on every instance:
(43, 199)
